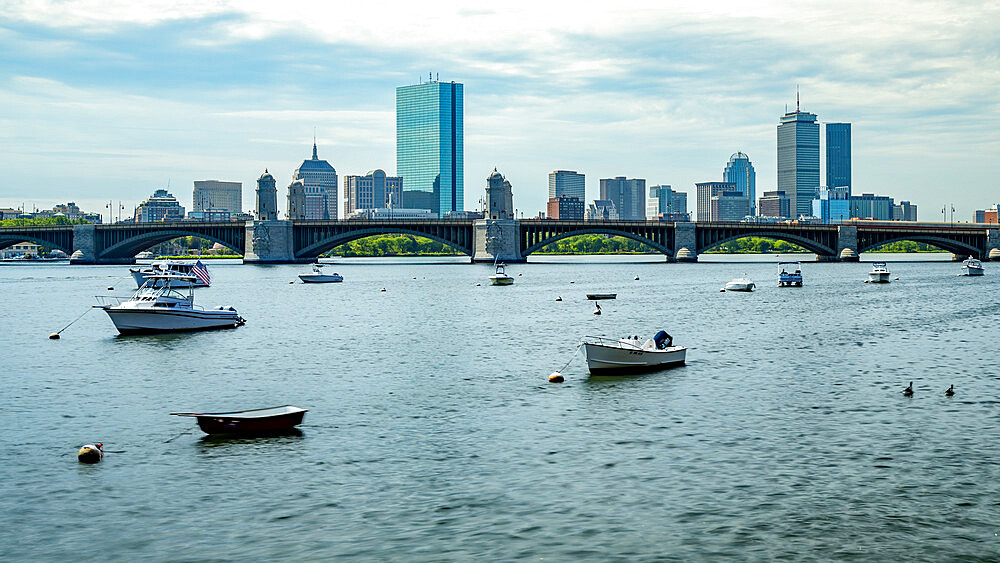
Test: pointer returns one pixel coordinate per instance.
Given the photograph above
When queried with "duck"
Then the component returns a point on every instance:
(558, 298)
(597, 311)
(908, 392)
(950, 392)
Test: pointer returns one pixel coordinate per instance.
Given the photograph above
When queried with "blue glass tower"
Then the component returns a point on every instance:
(430, 146)
(740, 171)
(838, 156)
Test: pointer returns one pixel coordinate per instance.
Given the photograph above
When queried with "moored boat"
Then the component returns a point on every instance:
(972, 267)
(158, 307)
(254, 421)
(317, 276)
(879, 274)
(596, 296)
(501, 277)
(195, 270)
(741, 284)
(631, 354)
(789, 274)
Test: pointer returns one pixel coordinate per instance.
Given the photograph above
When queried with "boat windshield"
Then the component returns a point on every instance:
(147, 292)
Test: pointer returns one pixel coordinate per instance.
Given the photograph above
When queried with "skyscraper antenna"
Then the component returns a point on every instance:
(796, 98)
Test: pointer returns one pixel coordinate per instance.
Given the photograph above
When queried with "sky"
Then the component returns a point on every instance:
(108, 100)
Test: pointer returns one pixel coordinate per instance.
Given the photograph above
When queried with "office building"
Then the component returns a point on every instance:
(991, 216)
(319, 185)
(666, 204)
(774, 204)
(798, 159)
(267, 197)
(838, 156)
(739, 172)
(628, 195)
(499, 197)
(978, 216)
(217, 196)
(374, 190)
(871, 206)
(904, 211)
(565, 208)
(704, 192)
(161, 206)
(567, 182)
(430, 146)
(602, 210)
(729, 206)
(832, 206)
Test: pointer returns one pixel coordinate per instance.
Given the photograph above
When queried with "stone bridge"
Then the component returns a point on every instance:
(483, 240)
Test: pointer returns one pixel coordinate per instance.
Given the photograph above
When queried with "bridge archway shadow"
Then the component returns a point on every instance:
(958, 248)
(822, 242)
(312, 249)
(645, 246)
(536, 235)
(8, 241)
(128, 248)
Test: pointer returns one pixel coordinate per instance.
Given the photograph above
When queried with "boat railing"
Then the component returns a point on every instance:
(611, 343)
(111, 300)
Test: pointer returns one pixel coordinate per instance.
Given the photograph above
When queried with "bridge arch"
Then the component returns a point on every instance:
(954, 246)
(12, 239)
(133, 245)
(804, 242)
(555, 237)
(328, 243)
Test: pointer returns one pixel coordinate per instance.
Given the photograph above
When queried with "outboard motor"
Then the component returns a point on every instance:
(663, 340)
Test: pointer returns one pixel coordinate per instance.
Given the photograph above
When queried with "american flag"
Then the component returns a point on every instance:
(201, 272)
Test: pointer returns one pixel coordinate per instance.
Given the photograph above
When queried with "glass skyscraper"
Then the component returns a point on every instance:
(567, 182)
(838, 156)
(798, 159)
(430, 146)
(739, 171)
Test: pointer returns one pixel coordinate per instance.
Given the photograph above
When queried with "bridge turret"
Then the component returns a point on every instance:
(267, 197)
(499, 197)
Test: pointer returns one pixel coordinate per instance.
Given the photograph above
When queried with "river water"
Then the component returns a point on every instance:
(434, 435)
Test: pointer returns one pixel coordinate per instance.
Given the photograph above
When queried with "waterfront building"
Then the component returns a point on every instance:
(871, 206)
(20, 249)
(705, 191)
(430, 145)
(775, 204)
(499, 197)
(267, 197)
(374, 190)
(904, 211)
(9, 213)
(390, 213)
(833, 205)
(569, 183)
(161, 206)
(602, 210)
(319, 184)
(565, 208)
(798, 159)
(666, 204)
(296, 201)
(218, 196)
(992, 215)
(68, 210)
(838, 156)
(215, 215)
(628, 195)
(729, 206)
(739, 172)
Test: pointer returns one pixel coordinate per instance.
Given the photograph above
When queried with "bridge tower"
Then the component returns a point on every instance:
(497, 235)
(267, 197)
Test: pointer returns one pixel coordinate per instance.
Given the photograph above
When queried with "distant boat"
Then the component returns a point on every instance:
(596, 296)
(741, 284)
(317, 276)
(501, 277)
(631, 354)
(790, 274)
(972, 267)
(196, 270)
(256, 421)
(879, 274)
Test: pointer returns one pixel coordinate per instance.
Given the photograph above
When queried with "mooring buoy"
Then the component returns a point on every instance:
(556, 377)
(91, 453)
(54, 336)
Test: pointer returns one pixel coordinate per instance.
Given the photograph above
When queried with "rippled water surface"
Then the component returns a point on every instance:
(433, 434)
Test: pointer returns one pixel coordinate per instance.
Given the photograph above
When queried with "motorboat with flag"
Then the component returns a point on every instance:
(879, 274)
(158, 306)
(972, 267)
(196, 270)
(318, 276)
(501, 277)
(631, 354)
(789, 274)
(256, 421)
(741, 284)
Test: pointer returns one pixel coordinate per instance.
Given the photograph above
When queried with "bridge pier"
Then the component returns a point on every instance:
(269, 242)
(992, 245)
(497, 240)
(847, 245)
(84, 244)
(685, 242)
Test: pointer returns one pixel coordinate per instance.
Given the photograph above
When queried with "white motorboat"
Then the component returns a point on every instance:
(631, 354)
(972, 267)
(317, 276)
(741, 284)
(789, 274)
(501, 277)
(158, 307)
(197, 271)
(879, 274)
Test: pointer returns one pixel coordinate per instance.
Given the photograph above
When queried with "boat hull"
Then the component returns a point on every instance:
(140, 321)
(321, 278)
(740, 286)
(790, 280)
(501, 280)
(614, 360)
(221, 424)
(597, 296)
(879, 277)
(972, 271)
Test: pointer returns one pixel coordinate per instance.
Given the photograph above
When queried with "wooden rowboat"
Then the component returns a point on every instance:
(255, 421)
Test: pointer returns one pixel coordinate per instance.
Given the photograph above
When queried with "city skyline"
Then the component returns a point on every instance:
(603, 101)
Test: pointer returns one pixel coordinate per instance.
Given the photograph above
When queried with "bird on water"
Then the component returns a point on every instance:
(908, 392)
(597, 311)
(950, 392)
